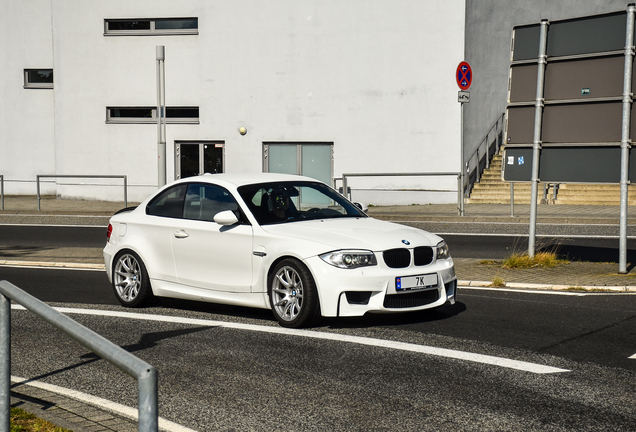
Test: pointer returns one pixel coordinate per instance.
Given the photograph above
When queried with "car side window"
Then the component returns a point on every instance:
(169, 203)
(204, 201)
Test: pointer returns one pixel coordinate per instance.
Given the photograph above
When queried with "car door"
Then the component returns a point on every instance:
(208, 255)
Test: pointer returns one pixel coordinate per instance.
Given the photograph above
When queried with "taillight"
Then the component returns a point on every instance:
(109, 232)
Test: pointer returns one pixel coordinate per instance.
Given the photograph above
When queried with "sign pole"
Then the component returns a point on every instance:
(536, 146)
(464, 77)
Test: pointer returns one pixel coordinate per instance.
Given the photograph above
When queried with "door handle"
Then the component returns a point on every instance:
(181, 234)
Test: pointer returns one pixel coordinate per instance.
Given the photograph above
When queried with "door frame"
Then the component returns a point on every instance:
(177, 154)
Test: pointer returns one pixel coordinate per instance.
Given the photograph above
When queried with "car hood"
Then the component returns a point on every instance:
(353, 233)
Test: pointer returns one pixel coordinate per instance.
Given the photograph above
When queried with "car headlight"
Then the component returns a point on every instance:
(442, 250)
(350, 259)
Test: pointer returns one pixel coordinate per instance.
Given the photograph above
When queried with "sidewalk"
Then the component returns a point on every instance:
(81, 417)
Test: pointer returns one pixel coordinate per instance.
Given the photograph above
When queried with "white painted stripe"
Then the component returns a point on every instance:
(53, 266)
(423, 349)
(633, 357)
(122, 410)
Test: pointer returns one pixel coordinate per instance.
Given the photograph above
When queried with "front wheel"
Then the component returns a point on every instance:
(131, 283)
(292, 294)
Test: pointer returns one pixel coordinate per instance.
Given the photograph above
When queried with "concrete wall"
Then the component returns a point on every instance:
(374, 77)
(488, 37)
(26, 115)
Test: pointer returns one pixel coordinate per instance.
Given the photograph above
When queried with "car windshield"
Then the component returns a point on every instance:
(282, 202)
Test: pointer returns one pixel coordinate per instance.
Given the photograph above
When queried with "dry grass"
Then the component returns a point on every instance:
(498, 282)
(540, 259)
(22, 421)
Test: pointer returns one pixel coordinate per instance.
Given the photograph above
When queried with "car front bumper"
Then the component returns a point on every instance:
(355, 292)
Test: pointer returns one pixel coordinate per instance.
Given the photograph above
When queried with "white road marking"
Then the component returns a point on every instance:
(122, 410)
(423, 349)
(633, 357)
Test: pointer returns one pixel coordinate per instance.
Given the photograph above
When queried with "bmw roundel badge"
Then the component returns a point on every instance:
(406, 242)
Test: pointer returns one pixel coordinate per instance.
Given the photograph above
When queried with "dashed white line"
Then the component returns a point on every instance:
(423, 349)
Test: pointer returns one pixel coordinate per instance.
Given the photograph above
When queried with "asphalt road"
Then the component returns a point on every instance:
(217, 375)
(466, 240)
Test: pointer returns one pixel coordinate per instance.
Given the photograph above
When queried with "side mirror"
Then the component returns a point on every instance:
(225, 218)
(361, 207)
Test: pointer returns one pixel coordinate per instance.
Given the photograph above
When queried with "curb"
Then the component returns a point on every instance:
(44, 264)
(547, 287)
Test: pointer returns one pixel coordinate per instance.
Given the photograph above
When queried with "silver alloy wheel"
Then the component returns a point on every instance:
(127, 277)
(287, 293)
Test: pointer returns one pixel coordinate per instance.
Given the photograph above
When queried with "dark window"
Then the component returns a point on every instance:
(203, 202)
(38, 78)
(129, 25)
(169, 203)
(182, 112)
(131, 112)
(151, 26)
(177, 23)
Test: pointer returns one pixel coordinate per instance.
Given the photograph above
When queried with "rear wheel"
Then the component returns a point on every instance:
(130, 280)
(292, 294)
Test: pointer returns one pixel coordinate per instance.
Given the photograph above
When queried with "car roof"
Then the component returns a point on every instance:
(243, 179)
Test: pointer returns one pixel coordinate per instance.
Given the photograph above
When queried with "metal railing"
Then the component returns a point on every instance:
(345, 186)
(145, 374)
(480, 159)
(38, 177)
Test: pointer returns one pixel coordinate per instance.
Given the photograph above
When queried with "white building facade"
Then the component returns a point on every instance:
(321, 88)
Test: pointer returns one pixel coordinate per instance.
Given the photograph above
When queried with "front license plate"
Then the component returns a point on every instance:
(416, 282)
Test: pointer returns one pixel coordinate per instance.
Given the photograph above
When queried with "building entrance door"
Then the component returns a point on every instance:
(196, 158)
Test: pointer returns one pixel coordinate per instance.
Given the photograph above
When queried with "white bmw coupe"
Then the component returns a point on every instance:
(288, 243)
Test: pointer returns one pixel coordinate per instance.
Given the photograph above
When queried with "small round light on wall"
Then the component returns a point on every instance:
(242, 130)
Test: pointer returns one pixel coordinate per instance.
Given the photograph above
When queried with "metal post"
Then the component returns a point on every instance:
(478, 169)
(125, 191)
(161, 115)
(37, 182)
(5, 363)
(625, 138)
(536, 143)
(344, 186)
(512, 199)
(488, 149)
(462, 171)
(2, 192)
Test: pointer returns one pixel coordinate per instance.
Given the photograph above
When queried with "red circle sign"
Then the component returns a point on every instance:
(464, 75)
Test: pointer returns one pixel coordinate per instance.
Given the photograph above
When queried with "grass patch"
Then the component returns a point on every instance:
(581, 289)
(498, 282)
(489, 262)
(22, 421)
(540, 259)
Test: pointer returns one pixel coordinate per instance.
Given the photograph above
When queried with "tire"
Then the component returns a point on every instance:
(131, 283)
(292, 294)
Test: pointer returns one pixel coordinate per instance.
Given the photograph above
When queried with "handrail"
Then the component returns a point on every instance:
(498, 131)
(145, 374)
(38, 177)
(1, 192)
(345, 186)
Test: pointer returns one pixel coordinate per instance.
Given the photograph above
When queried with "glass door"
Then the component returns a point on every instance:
(194, 159)
(309, 159)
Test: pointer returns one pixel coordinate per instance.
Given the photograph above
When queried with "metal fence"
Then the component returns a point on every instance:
(38, 177)
(145, 374)
(480, 159)
(345, 187)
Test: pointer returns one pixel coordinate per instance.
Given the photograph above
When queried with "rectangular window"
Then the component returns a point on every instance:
(149, 115)
(151, 26)
(38, 78)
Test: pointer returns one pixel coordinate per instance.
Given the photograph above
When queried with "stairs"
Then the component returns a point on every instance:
(492, 190)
